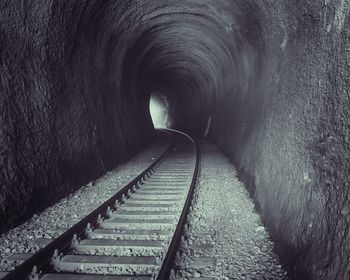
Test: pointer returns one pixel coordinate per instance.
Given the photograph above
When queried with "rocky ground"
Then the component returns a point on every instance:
(226, 238)
(54, 220)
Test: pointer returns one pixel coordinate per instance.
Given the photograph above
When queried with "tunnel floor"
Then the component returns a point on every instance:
(225, 227)
(226, 238)
(56, 219)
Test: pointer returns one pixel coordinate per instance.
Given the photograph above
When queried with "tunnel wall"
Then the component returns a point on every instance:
(63, 122)
(292, 145)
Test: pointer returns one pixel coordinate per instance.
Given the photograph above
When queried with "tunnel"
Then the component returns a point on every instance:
(265, 81)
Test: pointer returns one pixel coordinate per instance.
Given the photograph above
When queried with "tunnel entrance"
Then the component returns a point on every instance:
(159, 110)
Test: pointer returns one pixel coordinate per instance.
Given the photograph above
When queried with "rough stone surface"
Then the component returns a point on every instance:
(62, 122)
(224, 216)
(292, 147)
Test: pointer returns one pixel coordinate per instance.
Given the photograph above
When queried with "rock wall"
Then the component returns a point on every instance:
(61, 119)
(292, 145)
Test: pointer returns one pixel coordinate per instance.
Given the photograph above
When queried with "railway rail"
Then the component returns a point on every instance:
(133, 235)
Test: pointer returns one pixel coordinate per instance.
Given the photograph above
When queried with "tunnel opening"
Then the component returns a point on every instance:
(159, 110)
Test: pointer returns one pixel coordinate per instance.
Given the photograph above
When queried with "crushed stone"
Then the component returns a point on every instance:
(55, 219)
(225, 238)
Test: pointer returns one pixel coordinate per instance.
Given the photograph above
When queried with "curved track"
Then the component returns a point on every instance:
(133, 235)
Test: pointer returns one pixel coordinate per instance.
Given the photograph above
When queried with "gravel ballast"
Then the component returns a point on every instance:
(226, 238)
(57, 218)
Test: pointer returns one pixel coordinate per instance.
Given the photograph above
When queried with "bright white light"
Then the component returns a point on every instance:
(159, 109)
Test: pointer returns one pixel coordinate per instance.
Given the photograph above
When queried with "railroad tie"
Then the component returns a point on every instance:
(134, 234)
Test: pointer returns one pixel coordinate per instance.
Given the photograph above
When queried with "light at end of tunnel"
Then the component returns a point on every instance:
(159, 110)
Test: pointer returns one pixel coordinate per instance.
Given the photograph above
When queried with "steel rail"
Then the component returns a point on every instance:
(169, 259)
(42, 259)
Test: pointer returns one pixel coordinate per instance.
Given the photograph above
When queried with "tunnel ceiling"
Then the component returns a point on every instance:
(193, 52)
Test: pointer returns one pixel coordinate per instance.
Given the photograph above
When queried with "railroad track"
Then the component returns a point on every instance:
(133, 235)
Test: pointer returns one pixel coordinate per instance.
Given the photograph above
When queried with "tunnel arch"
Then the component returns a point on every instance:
(103, 60)
(197, 70)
